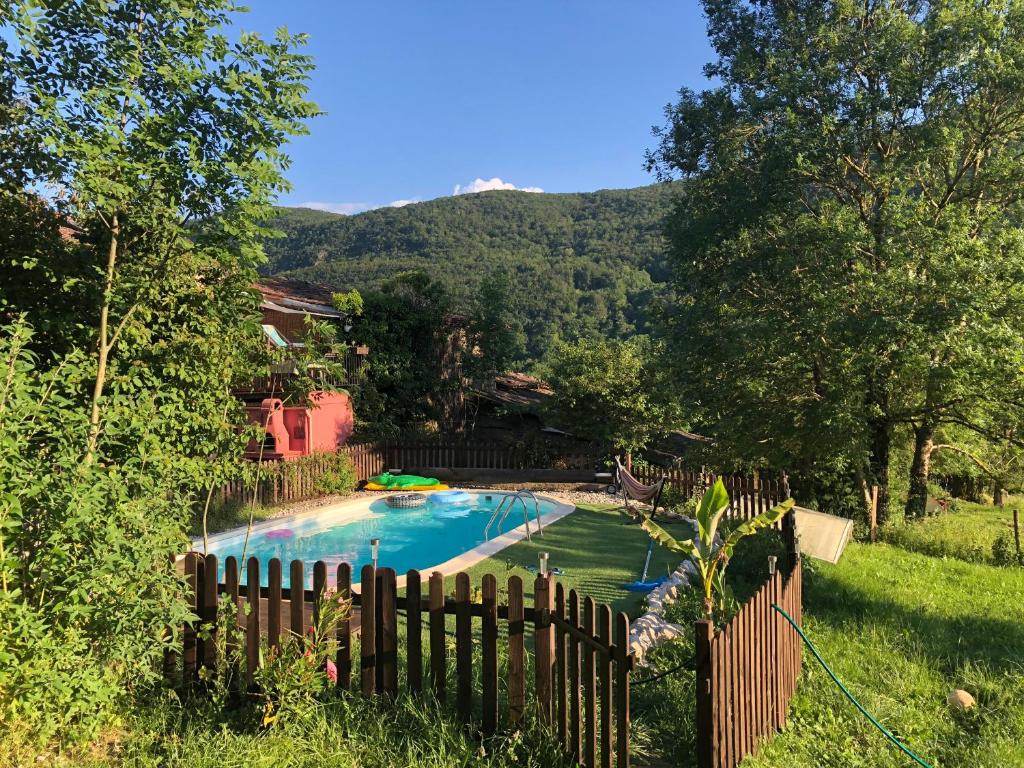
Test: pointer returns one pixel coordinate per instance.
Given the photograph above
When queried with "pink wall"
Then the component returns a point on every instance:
(297, 430)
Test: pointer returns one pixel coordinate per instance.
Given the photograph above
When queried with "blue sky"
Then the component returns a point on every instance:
(422, 97)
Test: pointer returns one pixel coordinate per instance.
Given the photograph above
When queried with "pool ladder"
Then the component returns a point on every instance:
(505, 506)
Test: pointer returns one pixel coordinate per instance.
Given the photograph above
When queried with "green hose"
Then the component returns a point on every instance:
(849, 695)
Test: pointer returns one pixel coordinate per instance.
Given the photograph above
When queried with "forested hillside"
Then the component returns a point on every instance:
(579, 264)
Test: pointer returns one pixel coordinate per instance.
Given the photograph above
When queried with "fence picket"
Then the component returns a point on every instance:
(622, 669)
(604, 623)
(543, 602)
(414, 629)
(274, 604)
(368, 630)
(575, 706)
(438, 662)
(387, 633)
(344, 630)
(516, 650)
(561, 686)
(589, 686)
(489, 654)
(252, 620)
(463, 649)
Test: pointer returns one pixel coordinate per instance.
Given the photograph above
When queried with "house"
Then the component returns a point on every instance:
(324, 419)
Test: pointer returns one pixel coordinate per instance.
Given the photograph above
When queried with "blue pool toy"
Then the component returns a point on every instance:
(450, 497)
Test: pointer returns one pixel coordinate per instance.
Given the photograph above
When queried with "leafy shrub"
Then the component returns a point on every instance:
(1004, 550)
(340, 478)
(85, 574)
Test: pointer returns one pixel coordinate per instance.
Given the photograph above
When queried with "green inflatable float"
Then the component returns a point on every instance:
(389, 482)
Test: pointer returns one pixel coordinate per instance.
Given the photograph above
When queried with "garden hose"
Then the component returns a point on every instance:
(885, 731)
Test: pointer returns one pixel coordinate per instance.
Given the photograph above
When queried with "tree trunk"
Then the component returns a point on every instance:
(917, 498)
(880, 437)
(103, 343)
(997, 493)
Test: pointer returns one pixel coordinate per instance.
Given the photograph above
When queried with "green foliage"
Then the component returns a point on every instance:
(339, 478)
(847, 256)
(156, 137)
(85, 579)
(709, 550)
(348, 301)
(976, 533)
(902, 630)
(613, 392)
(579, 265)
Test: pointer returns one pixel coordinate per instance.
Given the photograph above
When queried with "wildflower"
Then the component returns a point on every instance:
(332, 671)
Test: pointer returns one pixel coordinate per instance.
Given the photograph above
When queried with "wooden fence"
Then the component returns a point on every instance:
(287, 481)
(581, 664)
(747, 673)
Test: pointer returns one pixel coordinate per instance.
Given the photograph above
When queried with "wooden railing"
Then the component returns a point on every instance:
(581, 664)
(747, 672)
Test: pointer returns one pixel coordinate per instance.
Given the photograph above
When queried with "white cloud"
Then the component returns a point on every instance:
(350, 209)
(480, 185)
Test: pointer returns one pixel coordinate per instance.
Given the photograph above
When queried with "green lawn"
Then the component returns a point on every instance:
(968, 533)
(596, 551)
(902, 629)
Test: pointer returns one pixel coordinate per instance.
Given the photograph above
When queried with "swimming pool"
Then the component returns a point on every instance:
(436, 536)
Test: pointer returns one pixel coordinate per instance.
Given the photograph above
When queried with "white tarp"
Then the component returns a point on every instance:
(822, 536)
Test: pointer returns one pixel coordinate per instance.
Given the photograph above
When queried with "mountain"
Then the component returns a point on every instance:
(581, 263)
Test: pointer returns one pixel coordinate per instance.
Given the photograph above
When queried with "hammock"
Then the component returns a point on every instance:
(637, 491)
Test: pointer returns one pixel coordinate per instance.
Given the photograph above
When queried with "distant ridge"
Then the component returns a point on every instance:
(582, 263)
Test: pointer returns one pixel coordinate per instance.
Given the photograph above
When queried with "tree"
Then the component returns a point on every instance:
(613, 392)
(847, 257)
(150, 155)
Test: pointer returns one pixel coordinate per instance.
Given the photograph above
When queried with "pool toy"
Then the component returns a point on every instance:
(406, 500)
(280, 533)
(388, 482)
(450, 497)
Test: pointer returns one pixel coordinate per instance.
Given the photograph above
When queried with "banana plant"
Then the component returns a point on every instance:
(710, 557)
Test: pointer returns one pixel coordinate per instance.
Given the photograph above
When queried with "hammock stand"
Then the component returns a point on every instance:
(637, 491)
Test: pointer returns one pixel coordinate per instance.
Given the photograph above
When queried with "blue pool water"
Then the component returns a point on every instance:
(417, 538)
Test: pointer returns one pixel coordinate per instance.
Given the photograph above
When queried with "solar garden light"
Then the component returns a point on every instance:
(543, 563)
(374, 551)
(772, 559)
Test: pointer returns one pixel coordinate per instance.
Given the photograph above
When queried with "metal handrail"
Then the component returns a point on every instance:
(506, 504)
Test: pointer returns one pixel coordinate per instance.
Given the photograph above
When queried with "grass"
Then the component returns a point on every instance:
(903, 629)
(597, 552)
(968, 533)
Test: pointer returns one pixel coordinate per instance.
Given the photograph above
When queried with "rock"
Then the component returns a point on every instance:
(960, 700)
(650, 630)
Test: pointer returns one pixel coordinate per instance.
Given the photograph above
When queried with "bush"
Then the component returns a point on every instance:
(340, 477)
(1004, 550)
(86, 581)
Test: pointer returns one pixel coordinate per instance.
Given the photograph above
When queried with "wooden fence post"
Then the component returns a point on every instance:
(489, 654)
(463, 649)
(297, 599)
(1016, 534)
(873, 522)
(544, 644)
(252, 620)
(387, 633)
(414, 631)
(209, 659)
(438, 661)
(622, 690)
(274, 604)
(704, 631)
(189, 637)
(368, 631)
(516, 650)
(344, 629)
